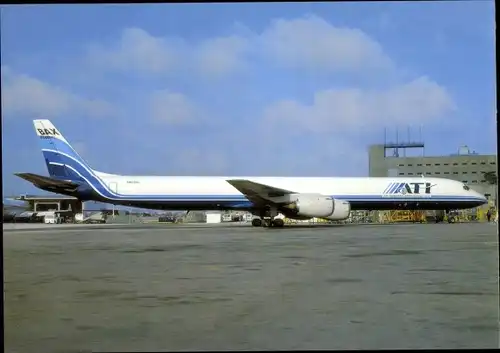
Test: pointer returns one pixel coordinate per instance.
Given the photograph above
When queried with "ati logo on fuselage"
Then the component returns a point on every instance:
(48, 132)
(408, 189)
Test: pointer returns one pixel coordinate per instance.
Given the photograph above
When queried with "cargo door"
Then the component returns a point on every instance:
(114, 187)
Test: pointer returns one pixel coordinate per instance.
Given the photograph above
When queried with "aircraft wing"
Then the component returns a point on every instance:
(258, 193)
(46, 182)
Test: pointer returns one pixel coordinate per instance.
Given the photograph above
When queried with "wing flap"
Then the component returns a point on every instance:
(256, 192)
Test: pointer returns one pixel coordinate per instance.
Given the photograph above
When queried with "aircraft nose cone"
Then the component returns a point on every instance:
(482, 197)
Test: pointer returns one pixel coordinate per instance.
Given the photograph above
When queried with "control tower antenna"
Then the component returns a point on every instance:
(397, 146)
(423, 148)
(396, 150)
(409, 140)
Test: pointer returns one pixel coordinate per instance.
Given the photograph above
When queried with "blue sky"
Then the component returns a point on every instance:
(245, 89)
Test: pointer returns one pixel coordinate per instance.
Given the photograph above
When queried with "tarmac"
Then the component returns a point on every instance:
(173, 288)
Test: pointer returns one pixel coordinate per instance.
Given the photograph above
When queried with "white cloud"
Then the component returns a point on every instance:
(137, 51)
(173, 108)
(23, 94)
(221, 56)
(340, 110)
(308, 42)
(311, 42)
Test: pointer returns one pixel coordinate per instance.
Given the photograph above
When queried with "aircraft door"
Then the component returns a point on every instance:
(113, 186)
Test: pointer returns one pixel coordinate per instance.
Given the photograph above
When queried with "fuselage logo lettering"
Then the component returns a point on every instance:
(407, 189)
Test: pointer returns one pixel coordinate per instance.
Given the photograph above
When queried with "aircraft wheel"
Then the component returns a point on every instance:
(278, 223)
(256, 222)
(267, 223)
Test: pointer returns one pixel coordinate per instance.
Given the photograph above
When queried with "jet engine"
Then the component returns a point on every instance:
(341, 210)
(316, 205)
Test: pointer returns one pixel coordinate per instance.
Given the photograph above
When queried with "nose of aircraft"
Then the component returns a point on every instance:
(480, 196)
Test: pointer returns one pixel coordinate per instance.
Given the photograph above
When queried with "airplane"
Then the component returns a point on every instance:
(265, 197)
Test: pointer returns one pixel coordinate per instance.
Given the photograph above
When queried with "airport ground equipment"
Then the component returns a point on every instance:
(397, 216)
(97, 217)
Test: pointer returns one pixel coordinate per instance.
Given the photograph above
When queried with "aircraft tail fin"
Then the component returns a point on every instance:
(62, 161)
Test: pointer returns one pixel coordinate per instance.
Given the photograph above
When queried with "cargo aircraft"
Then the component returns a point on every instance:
(265, 197)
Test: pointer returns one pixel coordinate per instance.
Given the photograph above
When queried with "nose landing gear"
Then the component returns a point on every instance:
(451, 216)
(439, 216)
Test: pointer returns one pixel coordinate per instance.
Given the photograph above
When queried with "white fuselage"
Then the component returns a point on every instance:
(340, 187)
(361, 192)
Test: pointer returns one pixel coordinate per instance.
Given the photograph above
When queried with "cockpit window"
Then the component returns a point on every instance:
(466, 188)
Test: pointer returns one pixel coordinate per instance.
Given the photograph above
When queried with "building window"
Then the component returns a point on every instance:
(464, 181)
(410, 173)
(401, 165)
(455, 172)
(483, 163)
(464, 163)
(419, 165)
(410, 165)
(473, 163)
(455, 163)
(437, 173)
(474, 172)
(401, 173)
(419, 173)
(492, 163)
(446, 173)
(464, 172)
(446, 164)
(474, 181)
(483, 181)
(437, 163)
(428, 165)
(428, 173)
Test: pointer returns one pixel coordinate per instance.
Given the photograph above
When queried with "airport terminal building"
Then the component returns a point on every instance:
(466, 166)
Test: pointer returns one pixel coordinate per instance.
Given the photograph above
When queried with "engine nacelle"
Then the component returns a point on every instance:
(316, 205)
(341, 210)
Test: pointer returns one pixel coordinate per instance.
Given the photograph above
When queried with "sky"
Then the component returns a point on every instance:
(245, 89)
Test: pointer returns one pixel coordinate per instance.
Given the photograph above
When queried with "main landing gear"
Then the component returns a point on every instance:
(267, 219)
(276, 223)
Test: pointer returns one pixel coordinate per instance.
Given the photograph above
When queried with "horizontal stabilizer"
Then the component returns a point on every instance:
(44, 182)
